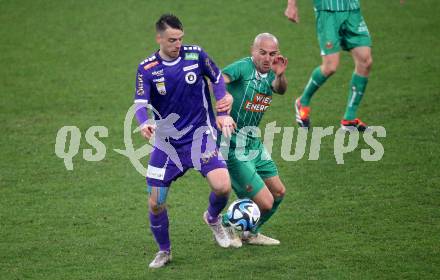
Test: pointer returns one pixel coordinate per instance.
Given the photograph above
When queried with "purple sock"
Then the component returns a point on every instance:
(216, 205)
(159, 227)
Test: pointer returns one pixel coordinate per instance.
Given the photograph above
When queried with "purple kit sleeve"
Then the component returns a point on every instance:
(142, 96)
(209, 68)
(215, 76)
(141, 113)
(219, 88)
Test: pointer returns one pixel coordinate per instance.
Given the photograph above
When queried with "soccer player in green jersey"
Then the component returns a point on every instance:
(252, 81)
(340, 26)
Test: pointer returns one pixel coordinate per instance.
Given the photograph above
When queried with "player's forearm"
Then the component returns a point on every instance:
(280, 84)
(219, 90)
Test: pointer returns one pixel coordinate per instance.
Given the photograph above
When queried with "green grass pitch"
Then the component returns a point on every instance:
(73, 63)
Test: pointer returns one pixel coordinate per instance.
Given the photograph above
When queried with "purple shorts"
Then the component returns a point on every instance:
(169, 162)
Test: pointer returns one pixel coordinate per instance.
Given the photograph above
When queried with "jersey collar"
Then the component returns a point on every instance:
(169, 63)
(261, 75)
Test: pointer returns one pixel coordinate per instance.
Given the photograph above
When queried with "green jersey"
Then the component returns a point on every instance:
(336, 5)
(252, 92)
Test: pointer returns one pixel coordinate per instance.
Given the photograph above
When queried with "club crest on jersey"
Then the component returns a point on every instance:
(249, 188)
(191, 56)
(190, 78)
(329, 45)
(161, 88)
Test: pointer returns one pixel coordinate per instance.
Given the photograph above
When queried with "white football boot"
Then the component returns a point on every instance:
(258, 239)
(161, 259)
(219, 231)
(234, 237)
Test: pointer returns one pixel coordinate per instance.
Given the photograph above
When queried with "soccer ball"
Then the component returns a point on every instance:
(243, 214)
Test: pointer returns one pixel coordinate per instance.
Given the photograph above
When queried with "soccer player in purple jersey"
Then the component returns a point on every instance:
(173, 81)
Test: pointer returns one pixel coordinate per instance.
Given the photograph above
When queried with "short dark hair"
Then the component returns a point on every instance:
(168, 20)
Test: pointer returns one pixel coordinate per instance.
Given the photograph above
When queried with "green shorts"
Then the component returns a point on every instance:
(247, 176)
(341, 30)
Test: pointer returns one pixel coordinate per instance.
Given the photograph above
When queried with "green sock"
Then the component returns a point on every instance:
(357, 90)
(225, 221)
(266, 216)
(316, 81)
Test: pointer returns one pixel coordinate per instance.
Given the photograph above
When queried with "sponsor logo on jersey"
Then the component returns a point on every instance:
(191, 56)
(155, 172)
(207, 156)
(157, 73)
(161, 88)
(190, 78)
(259, 104)
(140, 85)
(190, 67)
(150, 65)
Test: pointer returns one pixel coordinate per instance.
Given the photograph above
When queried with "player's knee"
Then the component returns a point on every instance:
(368, 63)
(156, 207)
(279, 193)
(329, 68)
(266, 204)
(220, 181)
(226, 190)
(223, 188)
(364, 65)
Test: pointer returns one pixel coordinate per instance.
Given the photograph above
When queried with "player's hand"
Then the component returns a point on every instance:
(225, 104)
(292, 14)
(279, 65)
(226, 124)
(147, 130)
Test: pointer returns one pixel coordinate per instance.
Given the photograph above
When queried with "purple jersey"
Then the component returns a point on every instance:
(179, 87)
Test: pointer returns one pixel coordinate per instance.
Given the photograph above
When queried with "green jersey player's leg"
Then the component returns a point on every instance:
(339, 30)
(267, 170)
(257, 179)
(357, 40)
